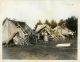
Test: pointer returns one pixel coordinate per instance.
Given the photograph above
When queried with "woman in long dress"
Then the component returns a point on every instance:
(45, 37)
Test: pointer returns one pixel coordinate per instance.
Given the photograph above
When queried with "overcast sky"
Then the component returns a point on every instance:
(31, 11)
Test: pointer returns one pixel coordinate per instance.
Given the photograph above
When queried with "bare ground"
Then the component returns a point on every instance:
(39, 53)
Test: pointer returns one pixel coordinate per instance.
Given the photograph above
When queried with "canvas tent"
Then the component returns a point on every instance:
(13, 28)
(62, 32)
(57, 33)
(43, 27)
(43, 31)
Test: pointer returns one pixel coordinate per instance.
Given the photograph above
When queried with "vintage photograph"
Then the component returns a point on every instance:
(39, 29)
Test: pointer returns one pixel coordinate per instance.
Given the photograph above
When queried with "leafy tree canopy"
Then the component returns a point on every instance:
(61, 22)
(47, 22)
(53, 24)
(71, 23)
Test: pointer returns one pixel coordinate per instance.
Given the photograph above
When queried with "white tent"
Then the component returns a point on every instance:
(62, 31)
(67, 31)
(11, 28)
(39, 27)
(59, 31)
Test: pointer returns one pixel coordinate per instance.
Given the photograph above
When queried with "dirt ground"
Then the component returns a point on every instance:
(39, 53)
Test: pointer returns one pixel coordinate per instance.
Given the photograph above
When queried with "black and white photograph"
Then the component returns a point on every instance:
(39, 29)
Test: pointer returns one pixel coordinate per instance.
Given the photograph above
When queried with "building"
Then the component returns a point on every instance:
(15, 30)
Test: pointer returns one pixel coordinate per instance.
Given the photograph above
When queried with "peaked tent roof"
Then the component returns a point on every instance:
(39, 27)
(63, 30)
(22, 24)
(24, 27)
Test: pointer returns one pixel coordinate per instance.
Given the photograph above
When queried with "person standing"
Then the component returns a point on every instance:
(45, 37)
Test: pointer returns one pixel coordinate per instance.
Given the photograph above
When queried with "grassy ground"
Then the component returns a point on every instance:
(40, 52)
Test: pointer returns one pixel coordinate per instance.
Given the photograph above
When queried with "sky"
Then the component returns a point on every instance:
(31, 11)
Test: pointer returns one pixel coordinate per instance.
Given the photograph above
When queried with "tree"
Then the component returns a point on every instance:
(53, 24)
(71, 23)
(39, 22)
(47, 22)
(61, 22)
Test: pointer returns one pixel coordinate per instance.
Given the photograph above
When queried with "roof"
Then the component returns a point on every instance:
(57, 27)
(40, 27)
(63, 30)
(22, 24)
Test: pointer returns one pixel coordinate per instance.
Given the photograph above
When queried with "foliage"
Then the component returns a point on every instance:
(71, 23)
(53, 24)
(61, 22)
(47, 22)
